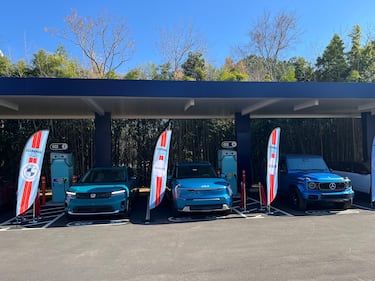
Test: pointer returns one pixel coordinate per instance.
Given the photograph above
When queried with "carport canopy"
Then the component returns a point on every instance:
(55, 98)
(104, 99)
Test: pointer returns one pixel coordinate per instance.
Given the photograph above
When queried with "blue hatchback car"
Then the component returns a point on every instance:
(195, 187)
(101, 191)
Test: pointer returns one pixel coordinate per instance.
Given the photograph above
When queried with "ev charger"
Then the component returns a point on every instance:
(61, 174)
(227, 163)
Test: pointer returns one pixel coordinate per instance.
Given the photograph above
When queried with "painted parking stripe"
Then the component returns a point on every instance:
(54, 220)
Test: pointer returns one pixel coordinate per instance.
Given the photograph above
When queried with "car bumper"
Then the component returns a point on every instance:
(203, 204)
(86, 207)
(329, 197)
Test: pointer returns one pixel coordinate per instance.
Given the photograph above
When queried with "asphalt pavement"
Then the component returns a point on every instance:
(319, 246)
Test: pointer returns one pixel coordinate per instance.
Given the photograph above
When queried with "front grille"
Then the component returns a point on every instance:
(98, 195)
(93, 209)
(340, 186)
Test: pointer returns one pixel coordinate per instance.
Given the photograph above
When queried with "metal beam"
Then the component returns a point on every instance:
(9, 105)
(306, 104)
(258, 106)
(189, 104)
(94, 106)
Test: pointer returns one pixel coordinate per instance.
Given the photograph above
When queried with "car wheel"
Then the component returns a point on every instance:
(174, 212)
(227, 212)
(345, 205)
(296, 200)
(69, 217)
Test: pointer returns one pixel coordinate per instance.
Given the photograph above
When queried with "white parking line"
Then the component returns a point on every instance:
(272, 208)
(52, 221)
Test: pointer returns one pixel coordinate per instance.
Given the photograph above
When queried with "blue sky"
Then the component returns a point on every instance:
(222, 24)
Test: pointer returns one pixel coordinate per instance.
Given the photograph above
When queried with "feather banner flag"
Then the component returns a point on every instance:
(159, 169)
(272, 165)
(29, 175)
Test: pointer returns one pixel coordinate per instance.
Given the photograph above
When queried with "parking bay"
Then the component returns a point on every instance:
(52, 215)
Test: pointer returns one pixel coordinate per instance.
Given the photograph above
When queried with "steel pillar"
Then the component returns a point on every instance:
(103, 140)
(243, 136)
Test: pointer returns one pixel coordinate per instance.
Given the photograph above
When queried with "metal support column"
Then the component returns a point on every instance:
(243, 136)
(103, 140)
(368, 133)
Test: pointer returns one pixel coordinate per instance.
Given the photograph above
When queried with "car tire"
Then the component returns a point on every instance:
(227, 212)
(174, 212)
(296, 200)
(345, 205)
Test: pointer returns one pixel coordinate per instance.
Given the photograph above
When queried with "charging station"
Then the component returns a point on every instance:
(227, 163)
(62, 170)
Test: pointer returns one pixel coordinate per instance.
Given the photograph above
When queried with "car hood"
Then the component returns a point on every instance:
(325, 177)
(87, 188)
(202, 183)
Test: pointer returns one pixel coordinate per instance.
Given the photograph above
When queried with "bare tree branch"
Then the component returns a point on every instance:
(174, 46)
(105, 41)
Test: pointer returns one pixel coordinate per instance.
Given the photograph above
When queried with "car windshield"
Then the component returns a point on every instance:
(195, 171)
(307, 163)
(104, 176)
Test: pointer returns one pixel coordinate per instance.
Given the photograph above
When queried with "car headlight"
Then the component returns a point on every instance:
(347, 184)
(177, 190)
(312, 185)
(117, 192)
(229, 190)
(70, 195)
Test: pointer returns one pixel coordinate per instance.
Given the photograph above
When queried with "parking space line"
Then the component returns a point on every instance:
(54, 220)
(240, 213)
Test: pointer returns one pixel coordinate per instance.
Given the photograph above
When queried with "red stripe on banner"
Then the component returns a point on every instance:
(26, 196)
(274, 137)
(159, 182)
(36, 140)
(161, 157)
(273, 155)
(163, 142)
(272, 187)
(33, 160)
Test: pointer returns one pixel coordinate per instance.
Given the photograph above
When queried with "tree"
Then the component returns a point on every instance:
(332, 65)
(367, 62)
(355, 53)
(54, 65)
(175, 45)
(5, 66)
(105, 41)
(303, 71)
(194, 68)
(271, 36)
(231, 72)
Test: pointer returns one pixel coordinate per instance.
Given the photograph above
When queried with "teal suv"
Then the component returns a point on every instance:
(101, 191)
(195, 187)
